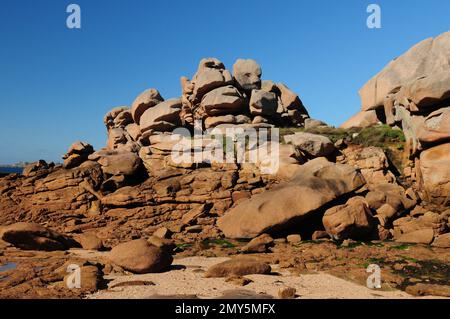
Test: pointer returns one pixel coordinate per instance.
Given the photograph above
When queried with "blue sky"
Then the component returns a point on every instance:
(56, 84)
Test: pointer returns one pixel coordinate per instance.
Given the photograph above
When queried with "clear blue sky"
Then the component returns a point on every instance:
(56, 84)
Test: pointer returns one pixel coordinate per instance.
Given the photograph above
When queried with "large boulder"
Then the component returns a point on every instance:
(442, 241)
(436, 127)
(317, 183)
(238, 266)
(430, 90)
(223, 100)
(361, 120)
(435, 173)
(290, 100)
(289, 163)
(120, 163)
(90, 241)
(210, 63)
(422, 236)
(91, 277)
(210, 78)
(311, 144)
(247, 74)
(31, 236)
(213, 121)
(143, 102)
(352, 220)
(263, 103)
(138, 256)
(162, 117)
(425, 58)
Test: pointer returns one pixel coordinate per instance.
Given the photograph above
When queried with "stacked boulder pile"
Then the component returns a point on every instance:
(216, 97)
(132, 188)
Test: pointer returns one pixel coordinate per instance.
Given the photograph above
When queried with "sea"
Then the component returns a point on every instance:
(9, 170)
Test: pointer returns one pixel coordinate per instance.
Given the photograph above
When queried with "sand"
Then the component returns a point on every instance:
(187, 278)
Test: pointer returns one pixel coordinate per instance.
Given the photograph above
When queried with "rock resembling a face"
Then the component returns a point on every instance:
(248, 74)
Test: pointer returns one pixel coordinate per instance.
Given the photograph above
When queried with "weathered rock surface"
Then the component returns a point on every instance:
(162, 117)
(223, 100)
(442, 241)
(431, 89)
(121, 112)
(362, 119)
(424, 59)
(90, 241)
(143, 102)
(422, 236)
(311, 144)
(436, 127)
(287, 293)
(435, 173)
(263, 103)
(77, 154)
(34, 168)
(120, 163)
(351, 220)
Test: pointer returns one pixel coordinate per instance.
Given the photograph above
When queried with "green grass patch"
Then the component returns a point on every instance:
(402, 246)
(414, 260)
(334, 134)
(378, 135)
(428, 271)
